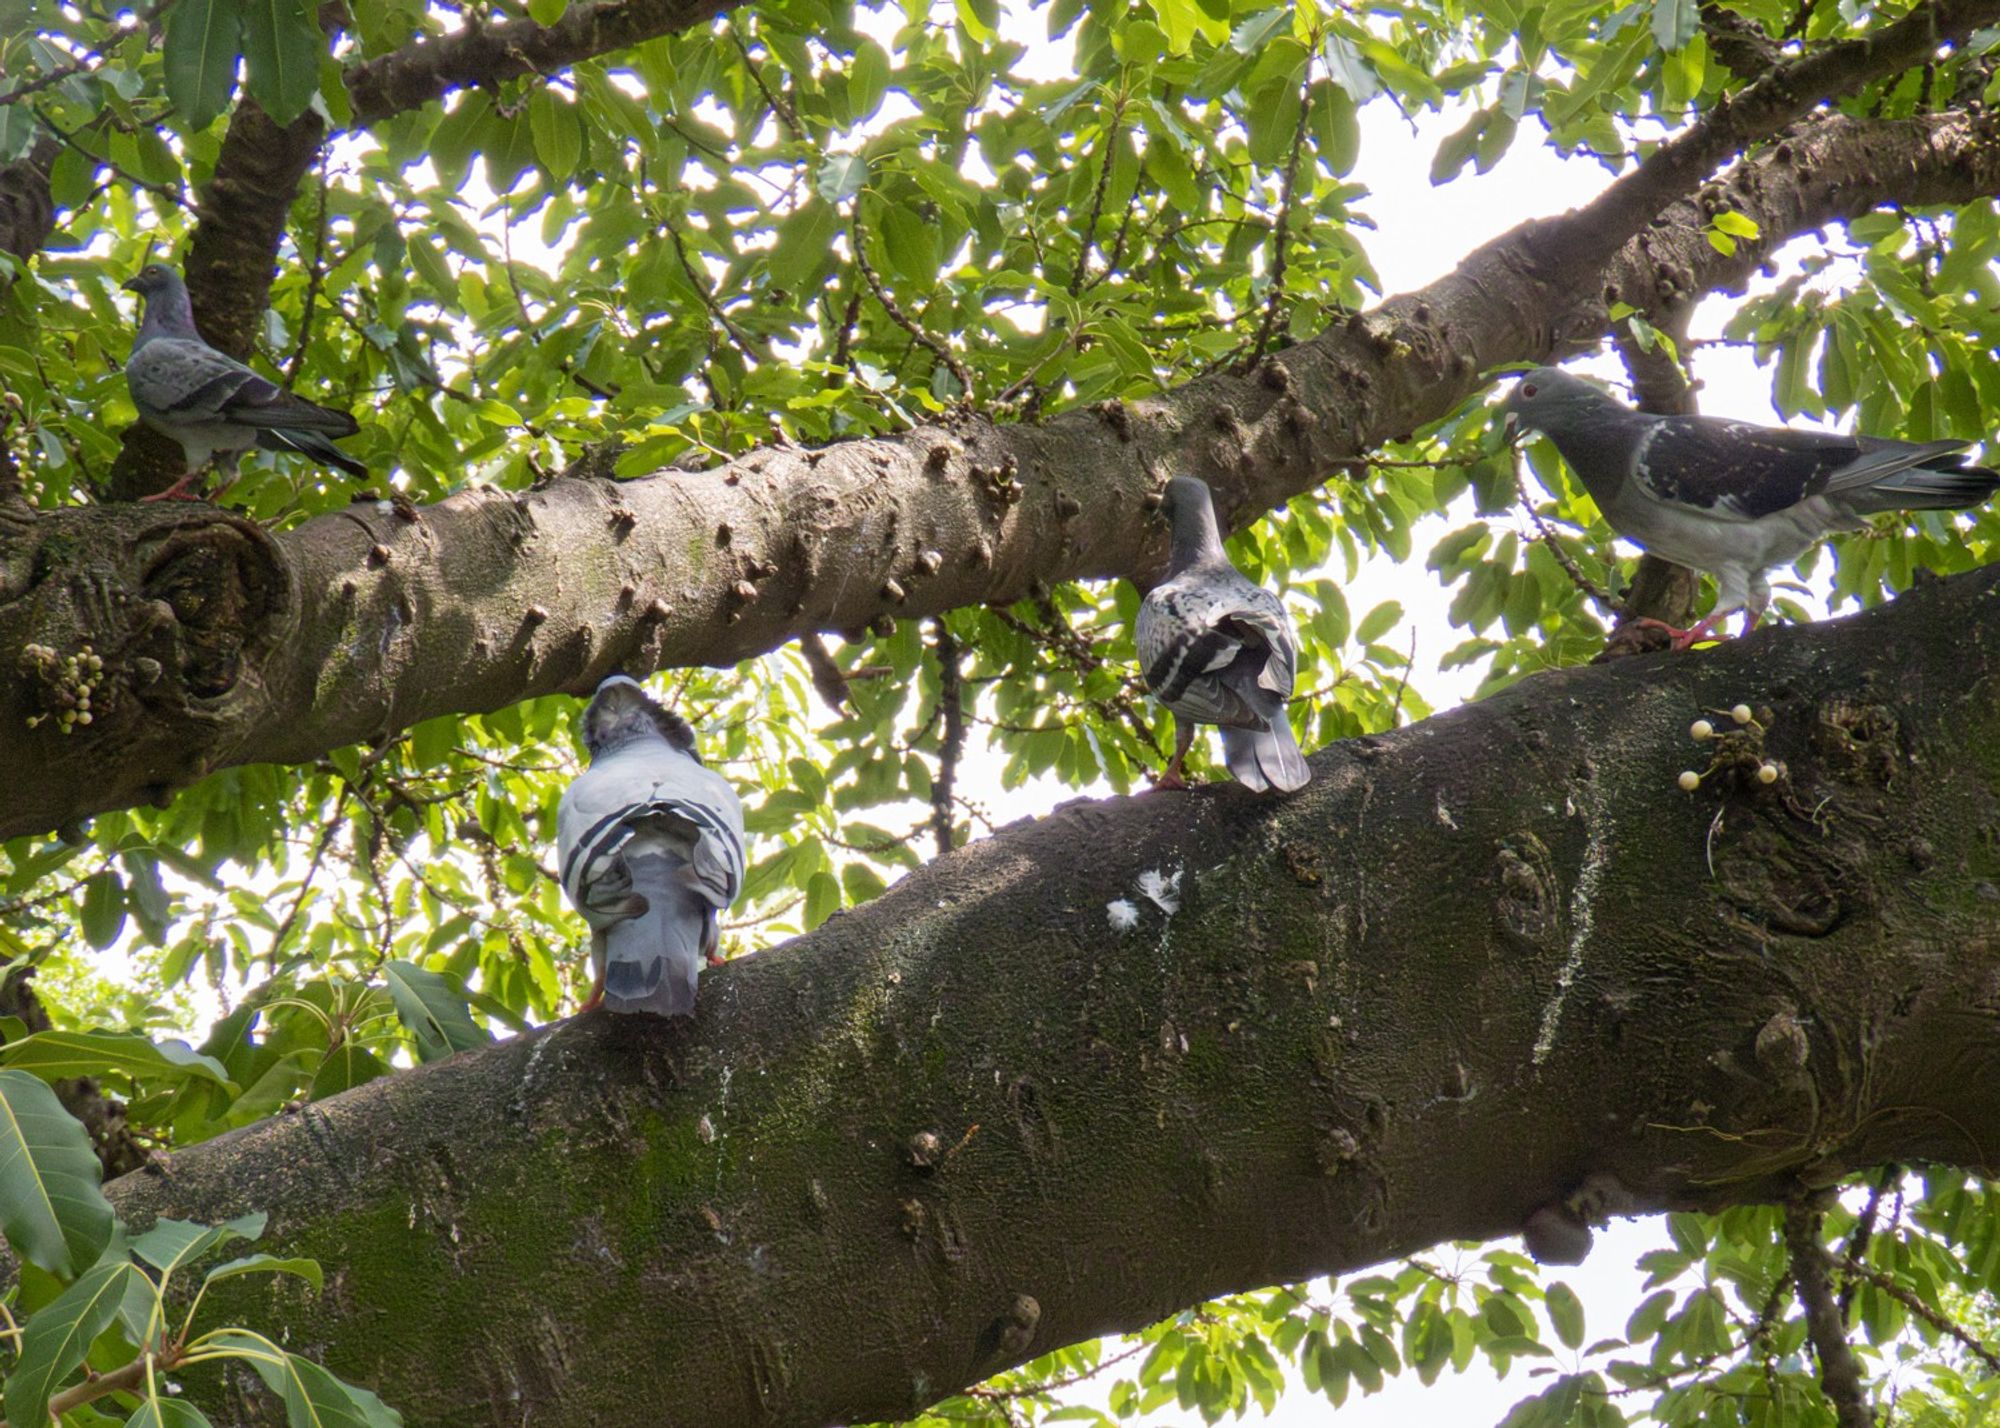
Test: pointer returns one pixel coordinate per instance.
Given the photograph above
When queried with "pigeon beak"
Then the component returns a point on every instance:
(131, 285)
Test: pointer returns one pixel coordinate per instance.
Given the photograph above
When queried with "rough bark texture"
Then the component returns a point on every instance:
(27, 212)
(973, 1120)
(224, 645)
(487, 54)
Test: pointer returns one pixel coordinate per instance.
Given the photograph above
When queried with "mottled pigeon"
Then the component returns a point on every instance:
(650, 846)
(1729, 497)
(208, 401)
(1216, 649)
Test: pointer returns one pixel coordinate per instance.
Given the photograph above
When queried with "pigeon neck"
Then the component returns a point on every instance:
(1196, 541)
(168, 314)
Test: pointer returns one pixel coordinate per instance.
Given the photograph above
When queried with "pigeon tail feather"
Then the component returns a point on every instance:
(310, 443)
(1262, 759)
(651, 961)
(1928, 488)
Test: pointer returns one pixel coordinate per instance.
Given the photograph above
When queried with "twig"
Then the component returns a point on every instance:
(315, 276)
(1839, 1371)
(1546, 534)
(1396, 709)
(90, 61)
(1076, 273)
(992, 1395)
(778, 106)
(1280, 234)
(1933, 1317)
(902, 319)
(1864, 1229)
(707, 298)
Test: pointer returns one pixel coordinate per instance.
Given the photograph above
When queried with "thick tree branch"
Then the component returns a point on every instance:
(1839, 1370)
(227, 645)
(1256, 1083)
(487, 54)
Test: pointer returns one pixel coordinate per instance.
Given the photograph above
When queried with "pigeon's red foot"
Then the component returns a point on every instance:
(1682, 639)
(1170, 779)
(713, 960)
(188, 488)
(595, 999)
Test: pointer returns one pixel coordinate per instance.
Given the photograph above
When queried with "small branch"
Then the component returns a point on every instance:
(902, 319)
(700, 285)
(1089, 238)
(1839, 1372)
(778, 106)
(1281, 232)
(1864, 1229)
(315, 276)
(1856, 1270)
(1547, 536)
(826, 676)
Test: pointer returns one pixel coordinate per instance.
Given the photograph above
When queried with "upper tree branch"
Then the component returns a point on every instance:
(487, 54)
(1265, 1084)
(583, 576)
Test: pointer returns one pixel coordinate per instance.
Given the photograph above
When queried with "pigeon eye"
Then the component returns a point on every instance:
(1529, 390)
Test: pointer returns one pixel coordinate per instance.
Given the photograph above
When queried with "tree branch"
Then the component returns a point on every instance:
(1839, 1371)
(1255, 1084)
(488, 54)
(585, 576)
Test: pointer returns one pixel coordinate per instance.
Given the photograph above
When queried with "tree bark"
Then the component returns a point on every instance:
(1484, 965)
(226, 645)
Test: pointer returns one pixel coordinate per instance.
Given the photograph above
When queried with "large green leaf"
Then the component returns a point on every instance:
(203, 40)
(169, 1244)
(167, 1413)
(51, 1209)
(282, 46)
(434, 1011)
(56, 1055)
(58, 1337)
(313, 1397)
(306, 1269)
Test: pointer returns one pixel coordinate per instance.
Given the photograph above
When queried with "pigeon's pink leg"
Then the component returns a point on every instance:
(1183, 741)
(596, 997)
(188, 488)
(1684, 639)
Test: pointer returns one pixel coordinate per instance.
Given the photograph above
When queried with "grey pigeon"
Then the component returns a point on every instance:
(650, 845)
(208, 401)
(1216, 649)
(1729, 497)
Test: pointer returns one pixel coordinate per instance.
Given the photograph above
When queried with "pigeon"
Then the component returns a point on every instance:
(211, 403)
(1730, 497)
(1216, 649)
(650, 848)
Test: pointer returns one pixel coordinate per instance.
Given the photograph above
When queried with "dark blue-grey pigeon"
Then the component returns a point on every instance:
(1216, 649)
(209, 402)
(1730, 497)
(650, 847)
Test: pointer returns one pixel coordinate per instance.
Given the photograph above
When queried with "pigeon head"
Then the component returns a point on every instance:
(153, 279)
(1190, 510)
(168, 311)
(1549, 399)
(621, 711)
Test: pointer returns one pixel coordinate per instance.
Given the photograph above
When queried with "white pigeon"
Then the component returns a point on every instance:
(650, 847)
(209, 402)
(1216, 649)
(1730, 497)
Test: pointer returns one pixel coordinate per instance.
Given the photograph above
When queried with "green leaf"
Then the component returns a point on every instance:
(169, 1244)
(56, 1055)
(867, 79)
(306, 1269)
(58, 1337)
(546, 12)
(1675, 22)
(167, 1413)
(842, 176)
(282, 46)
(558, 139)
(102, 914)
(1738, 225)
(202, 42)
(17, 131)
(434, 1010)
(822, 898)
(51, 1209)
(1566, 1313)
(313, 1397)
(1378, 622)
